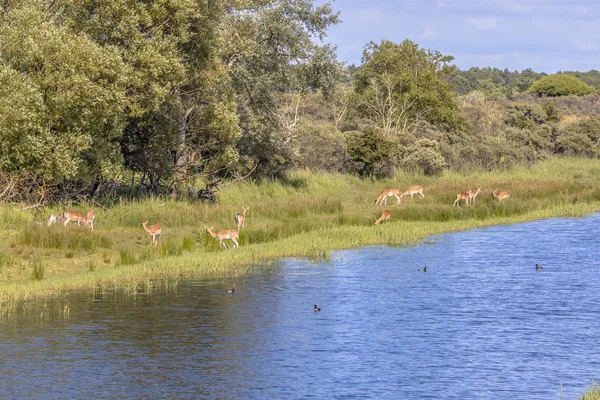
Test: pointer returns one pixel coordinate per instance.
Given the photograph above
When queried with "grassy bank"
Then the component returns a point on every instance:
(309, 215)
(593, 393)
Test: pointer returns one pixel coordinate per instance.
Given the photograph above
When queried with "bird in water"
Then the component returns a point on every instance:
(424, 269)
(232, 290)
(315, 309)
(538, 267)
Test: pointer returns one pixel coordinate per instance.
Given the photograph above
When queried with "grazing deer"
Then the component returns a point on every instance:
(230, 234)
(89, 218)
(240, 219)
(473, 195)
(72, 216)
(462, 196)
(154, 231)
(382, 199)
(385, 217)
(413, 190)
(501, 196)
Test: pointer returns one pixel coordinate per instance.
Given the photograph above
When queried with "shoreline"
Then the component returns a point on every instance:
(310, 215)
(312, 245)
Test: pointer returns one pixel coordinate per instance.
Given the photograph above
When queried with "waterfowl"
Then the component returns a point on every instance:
(232, 290)
(316, 308)
(424, 269)
(538, 267)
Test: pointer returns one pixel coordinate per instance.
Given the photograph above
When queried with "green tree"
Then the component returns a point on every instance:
(372, 154)
(69, 93)
(561, 85)
(401, 86)
(423, 156)
(273, 49)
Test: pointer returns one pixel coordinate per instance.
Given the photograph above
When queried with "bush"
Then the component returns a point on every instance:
(424, 156)
(320, 146)
(525, 115)
(372, 154)
(561, 85)
(580, 138)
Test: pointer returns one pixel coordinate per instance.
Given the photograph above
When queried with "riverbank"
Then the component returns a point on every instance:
(310, 215)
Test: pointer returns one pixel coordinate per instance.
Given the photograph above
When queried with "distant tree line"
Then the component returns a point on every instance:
(162, 97)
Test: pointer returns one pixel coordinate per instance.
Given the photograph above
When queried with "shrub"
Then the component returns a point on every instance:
(372, 154)
(424, 156)
(580, 138)
(525, 115)
(561, 85)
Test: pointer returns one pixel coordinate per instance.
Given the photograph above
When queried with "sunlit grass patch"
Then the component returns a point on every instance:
(308, 215)
(56, 237)
(593, 393)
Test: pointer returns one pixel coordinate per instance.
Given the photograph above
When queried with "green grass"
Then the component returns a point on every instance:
(593, 393)
(309, 215)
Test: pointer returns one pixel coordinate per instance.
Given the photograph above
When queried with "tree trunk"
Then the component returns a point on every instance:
(182, 153)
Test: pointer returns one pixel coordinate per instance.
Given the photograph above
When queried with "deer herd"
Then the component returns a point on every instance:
(240, 219)
(469, 198)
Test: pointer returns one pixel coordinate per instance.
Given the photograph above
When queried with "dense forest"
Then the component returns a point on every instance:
(130, 98)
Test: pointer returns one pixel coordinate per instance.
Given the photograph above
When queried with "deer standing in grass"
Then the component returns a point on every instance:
(230, 234)
(240, 219)
(413, 190)
(385, 217)
(154, 231)
(462, 196)
(76, 216)
(382, 199)
(473, 195)
(73, 216)
(89, 219)
(501, 195)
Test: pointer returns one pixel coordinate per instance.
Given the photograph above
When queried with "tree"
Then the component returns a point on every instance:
(372, 153)
(401, 86)
(561, 85)
(272, 50)
(62, 98)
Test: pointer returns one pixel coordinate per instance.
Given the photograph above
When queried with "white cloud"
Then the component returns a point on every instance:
(483, 24)
(429, 33)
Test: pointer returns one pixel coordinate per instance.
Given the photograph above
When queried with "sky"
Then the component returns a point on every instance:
(544, 35)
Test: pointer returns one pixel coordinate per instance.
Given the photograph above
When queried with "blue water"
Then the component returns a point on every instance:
(481, 323)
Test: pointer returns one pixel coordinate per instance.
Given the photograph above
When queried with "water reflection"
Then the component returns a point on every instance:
(480, 323)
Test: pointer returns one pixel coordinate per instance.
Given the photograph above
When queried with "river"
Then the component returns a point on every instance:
(481, 323)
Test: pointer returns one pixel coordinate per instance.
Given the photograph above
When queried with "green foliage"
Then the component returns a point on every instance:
(271, 48)
(525, 115)
(494, 82)
(561, 85)
(70, 97)
(320, 146)
(372, 154)
(392, 97)
(38, 269)
(423, 157)
(591, 77)
(580, 138)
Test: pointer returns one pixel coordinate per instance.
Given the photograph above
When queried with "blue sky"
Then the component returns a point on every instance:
(545, 35)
